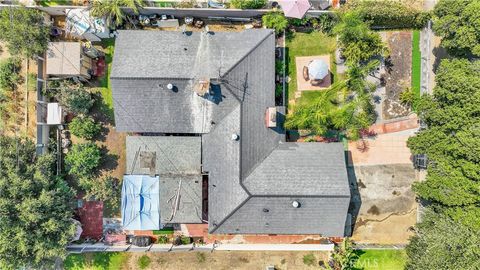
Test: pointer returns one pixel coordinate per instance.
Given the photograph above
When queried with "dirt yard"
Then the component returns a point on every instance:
(227, 260)
(384, 203)
(398, 73)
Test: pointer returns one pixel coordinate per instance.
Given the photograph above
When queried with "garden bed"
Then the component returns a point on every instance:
(398, 74)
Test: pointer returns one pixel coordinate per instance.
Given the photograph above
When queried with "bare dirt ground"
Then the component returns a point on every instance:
(398, 76)
(227, 260)
(384, 203)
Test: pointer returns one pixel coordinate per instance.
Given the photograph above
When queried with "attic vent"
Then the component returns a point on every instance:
(235, 137)
(296, 204)
(170, 86)
(271, 117)
(201, 87)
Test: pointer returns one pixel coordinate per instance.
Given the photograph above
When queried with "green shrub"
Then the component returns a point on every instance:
(74, 97)
(143, 262)
(278, 90)
(299, 22)
(186, 4)
(106, 188)
(324, 23)
(248, 4)
(162, 239)
(309, 259)
(275, 20)
(389, 14)
(186, 240)
(84, 127)
(83, 159)
(10, 73)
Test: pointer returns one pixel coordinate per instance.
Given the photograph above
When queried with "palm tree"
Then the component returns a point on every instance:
(112, 11)
(345, 106)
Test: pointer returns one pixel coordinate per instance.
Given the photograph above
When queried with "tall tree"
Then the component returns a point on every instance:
(458, 23)
(448, 237)
(443, 244)
(35, 211)
(24, 31)
(357, 42)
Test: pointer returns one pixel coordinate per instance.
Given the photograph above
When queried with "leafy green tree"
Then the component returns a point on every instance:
(450, 227)
(357, 42)
(83, 159)
(248, 4)
(443, 244)
(112, 11)
(343, 256)
(35, 208)
(106, 189)
(458, 23)
(74, 97)
(84, 127)
(275, 20)
(452, 140)
(24, 31)
(10, 73)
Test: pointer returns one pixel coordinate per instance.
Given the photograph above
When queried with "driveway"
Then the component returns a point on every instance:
(383, 203)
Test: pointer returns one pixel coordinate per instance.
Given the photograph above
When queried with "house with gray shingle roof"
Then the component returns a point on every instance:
(218, 88)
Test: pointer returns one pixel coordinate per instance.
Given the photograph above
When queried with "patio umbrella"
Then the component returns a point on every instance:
(317, 69)
(295, 8)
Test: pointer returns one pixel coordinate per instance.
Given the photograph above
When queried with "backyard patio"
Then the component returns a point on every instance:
(301, 48)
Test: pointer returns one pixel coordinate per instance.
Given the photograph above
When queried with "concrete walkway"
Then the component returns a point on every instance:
(209, 247)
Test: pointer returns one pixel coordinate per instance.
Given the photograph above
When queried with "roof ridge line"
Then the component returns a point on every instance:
(247, 54)
(150, 78)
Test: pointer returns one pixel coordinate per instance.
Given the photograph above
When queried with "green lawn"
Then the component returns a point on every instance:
(307, 44)
(387, 259)
(108, 47)
(52, 3)
(416, 63)
(96, 261)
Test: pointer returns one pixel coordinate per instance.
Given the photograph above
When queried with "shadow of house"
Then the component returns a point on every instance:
(355, 198)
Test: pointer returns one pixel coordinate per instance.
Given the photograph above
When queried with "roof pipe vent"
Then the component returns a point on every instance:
(296, 204)
(235, 137)
(170, 86)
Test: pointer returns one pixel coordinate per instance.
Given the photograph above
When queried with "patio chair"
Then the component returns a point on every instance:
(316, 82)
(305, 73)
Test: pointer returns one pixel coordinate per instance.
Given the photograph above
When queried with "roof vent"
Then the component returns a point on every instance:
(296, 204)
(235, 137)
(271, 117)
(170, 86)
(201, 87)
(265, 210)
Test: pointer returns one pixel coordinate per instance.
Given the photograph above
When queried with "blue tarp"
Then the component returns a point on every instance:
(141, 202)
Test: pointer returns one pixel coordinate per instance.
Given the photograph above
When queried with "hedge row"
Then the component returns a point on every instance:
(389, 14)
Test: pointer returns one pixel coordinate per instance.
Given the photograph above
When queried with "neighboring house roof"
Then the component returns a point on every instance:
(64, 58)
(177, 162)
(249, 165)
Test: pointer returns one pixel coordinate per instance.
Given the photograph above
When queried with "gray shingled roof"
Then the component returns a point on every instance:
(256, 172)
(174, 159)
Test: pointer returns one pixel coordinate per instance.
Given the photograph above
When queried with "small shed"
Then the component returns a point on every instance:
(66, 59)
(140, 202)
(54, 114)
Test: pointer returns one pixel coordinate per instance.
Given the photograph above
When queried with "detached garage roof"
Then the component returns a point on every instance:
(64, 58)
